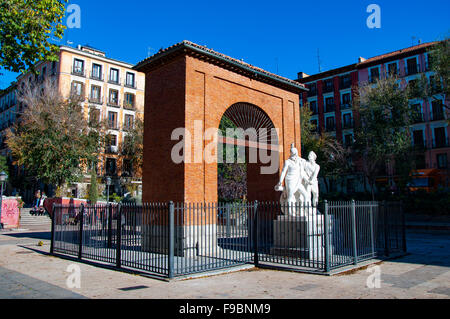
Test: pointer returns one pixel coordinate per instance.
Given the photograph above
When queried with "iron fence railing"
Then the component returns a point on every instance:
(176, 239)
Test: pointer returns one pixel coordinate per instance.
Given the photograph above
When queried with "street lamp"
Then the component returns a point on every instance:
(108, 183)
(3, 178)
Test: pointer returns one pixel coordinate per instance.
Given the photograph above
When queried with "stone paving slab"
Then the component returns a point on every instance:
(424, 273)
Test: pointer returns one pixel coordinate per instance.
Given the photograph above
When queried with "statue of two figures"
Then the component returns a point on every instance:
(301, 192)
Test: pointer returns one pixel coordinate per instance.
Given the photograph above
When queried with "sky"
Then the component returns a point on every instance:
(283, 37)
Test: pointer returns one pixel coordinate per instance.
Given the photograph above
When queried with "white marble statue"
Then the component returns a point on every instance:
(293, 174)
(301, 183)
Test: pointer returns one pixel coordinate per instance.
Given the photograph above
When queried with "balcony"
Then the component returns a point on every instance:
(348, 124)
(330, 128)
(345, 83)
(328, 88)
(330, 108)
(113, 103)
(312, 92)
(418, 118)
(111, 149)
(437, 116)
(78, 71)
(114, 81)
(130, 85)
(129, 105)
(441, 143)
(374, 79)
(98, 77)
(411, 69)
(346, 105)
(95, 99)
(419, 145)
(113, 126)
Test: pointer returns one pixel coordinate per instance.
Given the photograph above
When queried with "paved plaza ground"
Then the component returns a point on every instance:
(27, 271)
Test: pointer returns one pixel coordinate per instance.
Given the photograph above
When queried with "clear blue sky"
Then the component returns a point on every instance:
(274, 35)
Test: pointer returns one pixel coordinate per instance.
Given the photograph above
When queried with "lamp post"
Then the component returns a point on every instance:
(108, 183)
(3, 178)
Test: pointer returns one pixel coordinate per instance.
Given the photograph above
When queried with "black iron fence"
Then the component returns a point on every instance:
(176, 239)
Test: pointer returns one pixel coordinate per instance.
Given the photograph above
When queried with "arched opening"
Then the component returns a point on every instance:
(248, 167)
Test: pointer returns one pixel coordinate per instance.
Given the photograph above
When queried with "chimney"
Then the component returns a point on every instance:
(302, 75)
(361, 59)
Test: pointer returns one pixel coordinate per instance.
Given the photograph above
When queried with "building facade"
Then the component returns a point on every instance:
(330, 100)
(110, 89)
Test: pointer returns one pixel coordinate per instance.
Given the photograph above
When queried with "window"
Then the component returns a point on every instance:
(350, 185)
(111, 140)
(312, 89)
(442, 161)
(346, 100)
(329, 104)
(44, 73)
(348, 122)
(418, 139)
(95, 94)
(114, 97)
(129, 101)
(111, 166)
(330, 124)
(114, 76)
(129, 121)
(345, 81)
(78, 67)
(438, 110)
(127, 167)
(411, 65)
(348, 140)
(96, 71)
(392, 69)
(439, 137)
(94, 116)
(313, 107)
(77, 88)
(130, 80)
(420, 161)
(417, 113)
(315, 126)
(374, 75)
(112, 120)
(328, 86)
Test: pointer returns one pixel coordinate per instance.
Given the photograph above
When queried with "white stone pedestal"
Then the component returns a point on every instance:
(300, 237)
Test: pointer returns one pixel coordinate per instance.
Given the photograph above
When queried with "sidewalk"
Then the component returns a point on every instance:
(28, 271)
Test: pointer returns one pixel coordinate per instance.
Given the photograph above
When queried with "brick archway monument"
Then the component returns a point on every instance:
(191, 87)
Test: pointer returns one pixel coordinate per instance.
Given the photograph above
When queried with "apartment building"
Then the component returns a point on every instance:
(8, 113)
(330, 100)
(111, 90)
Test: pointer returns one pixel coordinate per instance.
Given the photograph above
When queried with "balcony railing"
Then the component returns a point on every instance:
(330, 108)
(130, 85)
(113, 102)
(437, 116)
(373, 79)
(128, 105)
(441, 143)
(96, 99)
(328, 88)
(98, 77)
(114, 81)
(346, 105)
(348, 124)
(418, 118)
(111, 149)
(78, 71)
(113, 126)
(411, 69)
(330, 128)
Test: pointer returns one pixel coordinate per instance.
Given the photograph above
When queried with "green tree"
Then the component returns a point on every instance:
(26, 28)
(332, 157)
(383, 135)
(133, 146)
(440, 63)
(93, 188)
(53, 139)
